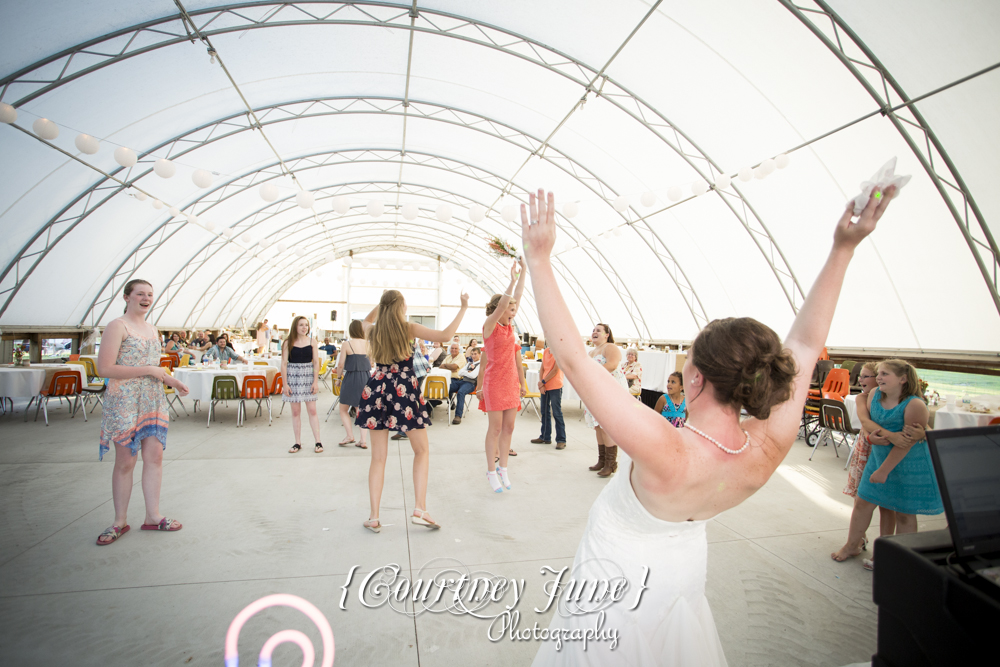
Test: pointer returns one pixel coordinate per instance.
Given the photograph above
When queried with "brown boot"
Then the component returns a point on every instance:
(610, 462)
(600, 459)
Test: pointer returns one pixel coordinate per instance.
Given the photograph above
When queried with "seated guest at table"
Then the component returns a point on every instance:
(464, 384)
(672, 404)
(468, 354)
(201, 342)
(436, 355)
(328, 347)
(633, 371)
(550, 383)
(223, 351)
(454, 361)
(173, 344)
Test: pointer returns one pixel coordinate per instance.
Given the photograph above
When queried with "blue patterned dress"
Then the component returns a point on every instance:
(675, 414)
(911, 487)
(135, 408)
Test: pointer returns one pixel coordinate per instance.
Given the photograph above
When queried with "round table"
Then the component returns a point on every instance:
(199, 380)
(949, 417)
(21, 382)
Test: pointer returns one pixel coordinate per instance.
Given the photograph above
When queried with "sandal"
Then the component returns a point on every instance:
(373, 525)
(164, 524)
(319, 448)
(114, 532)
(421, 518)
(361, 445)
(345, 443)
(511, 452)
(295, 448)
(868, 564)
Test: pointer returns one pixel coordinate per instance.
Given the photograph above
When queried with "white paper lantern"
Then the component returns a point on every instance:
(759, 174)
(782, 161)
(141, 196)
(157, 204)
(443, 213)
(305, 199)
(126, 157)
(228, 232)
(330, 256)
(382, 264)
(164, 168)
(745, 174)
(268, 192)
(341, 205)
(722, 181)
(699, 187)
(410, 211)
(264, 243)
(8, 114)
(648, 199)
(477, 213)
(300, 252)
(570, 209)
(620, 203)
(87, 144)
(209, 225)
(365, 262)
(449, 264)
(45, 128)
(408, 283)
(362, 282)
(201, 178)
(233, 249)
(246, 238)
(674, 193)
(508, 213)
(282, 248)
(174, 211)
(348, 260)
(768, 166)
(617, 231)
(375, 208)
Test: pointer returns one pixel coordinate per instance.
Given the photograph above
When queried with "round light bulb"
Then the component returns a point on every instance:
(699, 188)
(87, 144)
(341, 205)
(202, 178)
(126, 157)
(8, 114)
(620, 203)
(305, 199)
(648, 199)
(45, 128)
(375, 208)
(722, 181)
(268, 192)
(164, 168)
(745, 174)
(674, 193)
(443, 213)
(410, 211)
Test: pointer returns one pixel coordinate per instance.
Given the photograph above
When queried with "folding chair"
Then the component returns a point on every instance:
(254, 389)
(809, 429)
(436, 389)
(853, 379)
(278, 386)
(336, 400)
(529, 400)
(173, 397)
(324, 373)
(834, 419)
(185, 359)
(93, 390)
(63, 383)
(224, 388)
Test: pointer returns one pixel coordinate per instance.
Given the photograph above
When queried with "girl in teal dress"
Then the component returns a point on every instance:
(899, 474)
(672, 405)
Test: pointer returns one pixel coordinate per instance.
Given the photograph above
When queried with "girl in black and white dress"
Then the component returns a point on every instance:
(300, 377)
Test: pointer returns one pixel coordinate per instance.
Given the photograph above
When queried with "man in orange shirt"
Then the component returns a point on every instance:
(550, 382)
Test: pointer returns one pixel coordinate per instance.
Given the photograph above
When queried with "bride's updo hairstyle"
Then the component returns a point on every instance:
(746, 364)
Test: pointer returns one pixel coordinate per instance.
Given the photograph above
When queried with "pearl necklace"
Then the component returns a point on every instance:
(719, 444)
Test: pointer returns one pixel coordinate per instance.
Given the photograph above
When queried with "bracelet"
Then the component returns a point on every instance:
(510, 295)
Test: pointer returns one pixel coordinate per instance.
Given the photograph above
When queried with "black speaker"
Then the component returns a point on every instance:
(333, 316)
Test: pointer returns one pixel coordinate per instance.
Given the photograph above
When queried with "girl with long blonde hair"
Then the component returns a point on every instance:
(392, 399)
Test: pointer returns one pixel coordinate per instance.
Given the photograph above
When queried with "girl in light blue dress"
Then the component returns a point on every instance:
(672, 404)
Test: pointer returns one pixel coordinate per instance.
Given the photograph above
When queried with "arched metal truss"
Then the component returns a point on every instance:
(833, 32)
(170, 30)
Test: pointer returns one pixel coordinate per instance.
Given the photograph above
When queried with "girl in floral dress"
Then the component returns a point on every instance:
(502, 383)
(135, 409)
(392, 400)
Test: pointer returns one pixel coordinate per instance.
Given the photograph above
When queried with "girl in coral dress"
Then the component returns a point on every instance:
(502, 385)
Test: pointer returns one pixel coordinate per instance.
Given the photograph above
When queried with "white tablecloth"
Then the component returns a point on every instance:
(568, 394)
(199, 380)
(852, 410)
(948, 417)
(656, 368)
(20, 382)
(273, 362)
(534, 365)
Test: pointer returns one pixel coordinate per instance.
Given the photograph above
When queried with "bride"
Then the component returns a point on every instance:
(648, 525)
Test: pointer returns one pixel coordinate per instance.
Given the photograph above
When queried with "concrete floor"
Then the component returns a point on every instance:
(259, 521)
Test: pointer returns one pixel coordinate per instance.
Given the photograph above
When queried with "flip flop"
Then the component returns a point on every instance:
(361, 445)
(115, 532)
(164, 525)
(345, 443)
(511, 453)
(319, 448)
(295, 449)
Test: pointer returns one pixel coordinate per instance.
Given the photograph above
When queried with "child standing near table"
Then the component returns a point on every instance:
(499, 382)
(672, 404)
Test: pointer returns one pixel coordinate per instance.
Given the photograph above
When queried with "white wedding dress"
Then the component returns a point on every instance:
(673, 624)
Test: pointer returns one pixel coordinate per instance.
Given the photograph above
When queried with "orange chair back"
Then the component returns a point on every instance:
(278, 385)
(436, 389)
(166, 363)
(825, 355)
(74, 357)
(995, 420)
(64, 383)
(176, 358)
(838, 381)
(255, 386)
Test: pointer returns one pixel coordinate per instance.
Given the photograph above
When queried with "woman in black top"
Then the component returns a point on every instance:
(300, 373)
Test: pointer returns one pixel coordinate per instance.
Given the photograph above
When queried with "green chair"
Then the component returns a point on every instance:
(224, 388)
(848, 364)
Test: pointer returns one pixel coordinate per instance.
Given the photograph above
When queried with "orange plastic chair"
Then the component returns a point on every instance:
(995, 420)
(254, 389)
(176, 358)
(838, 381)
(63, 383)
(825, 355)
(74, 357)
(166, 362)
(278, 386)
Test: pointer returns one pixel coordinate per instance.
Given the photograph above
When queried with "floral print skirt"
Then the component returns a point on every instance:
(392, 400)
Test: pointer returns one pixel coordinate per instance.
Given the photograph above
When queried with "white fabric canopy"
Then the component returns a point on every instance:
(478, 103)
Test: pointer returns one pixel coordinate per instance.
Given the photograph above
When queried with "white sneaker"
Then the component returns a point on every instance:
(494, 482)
